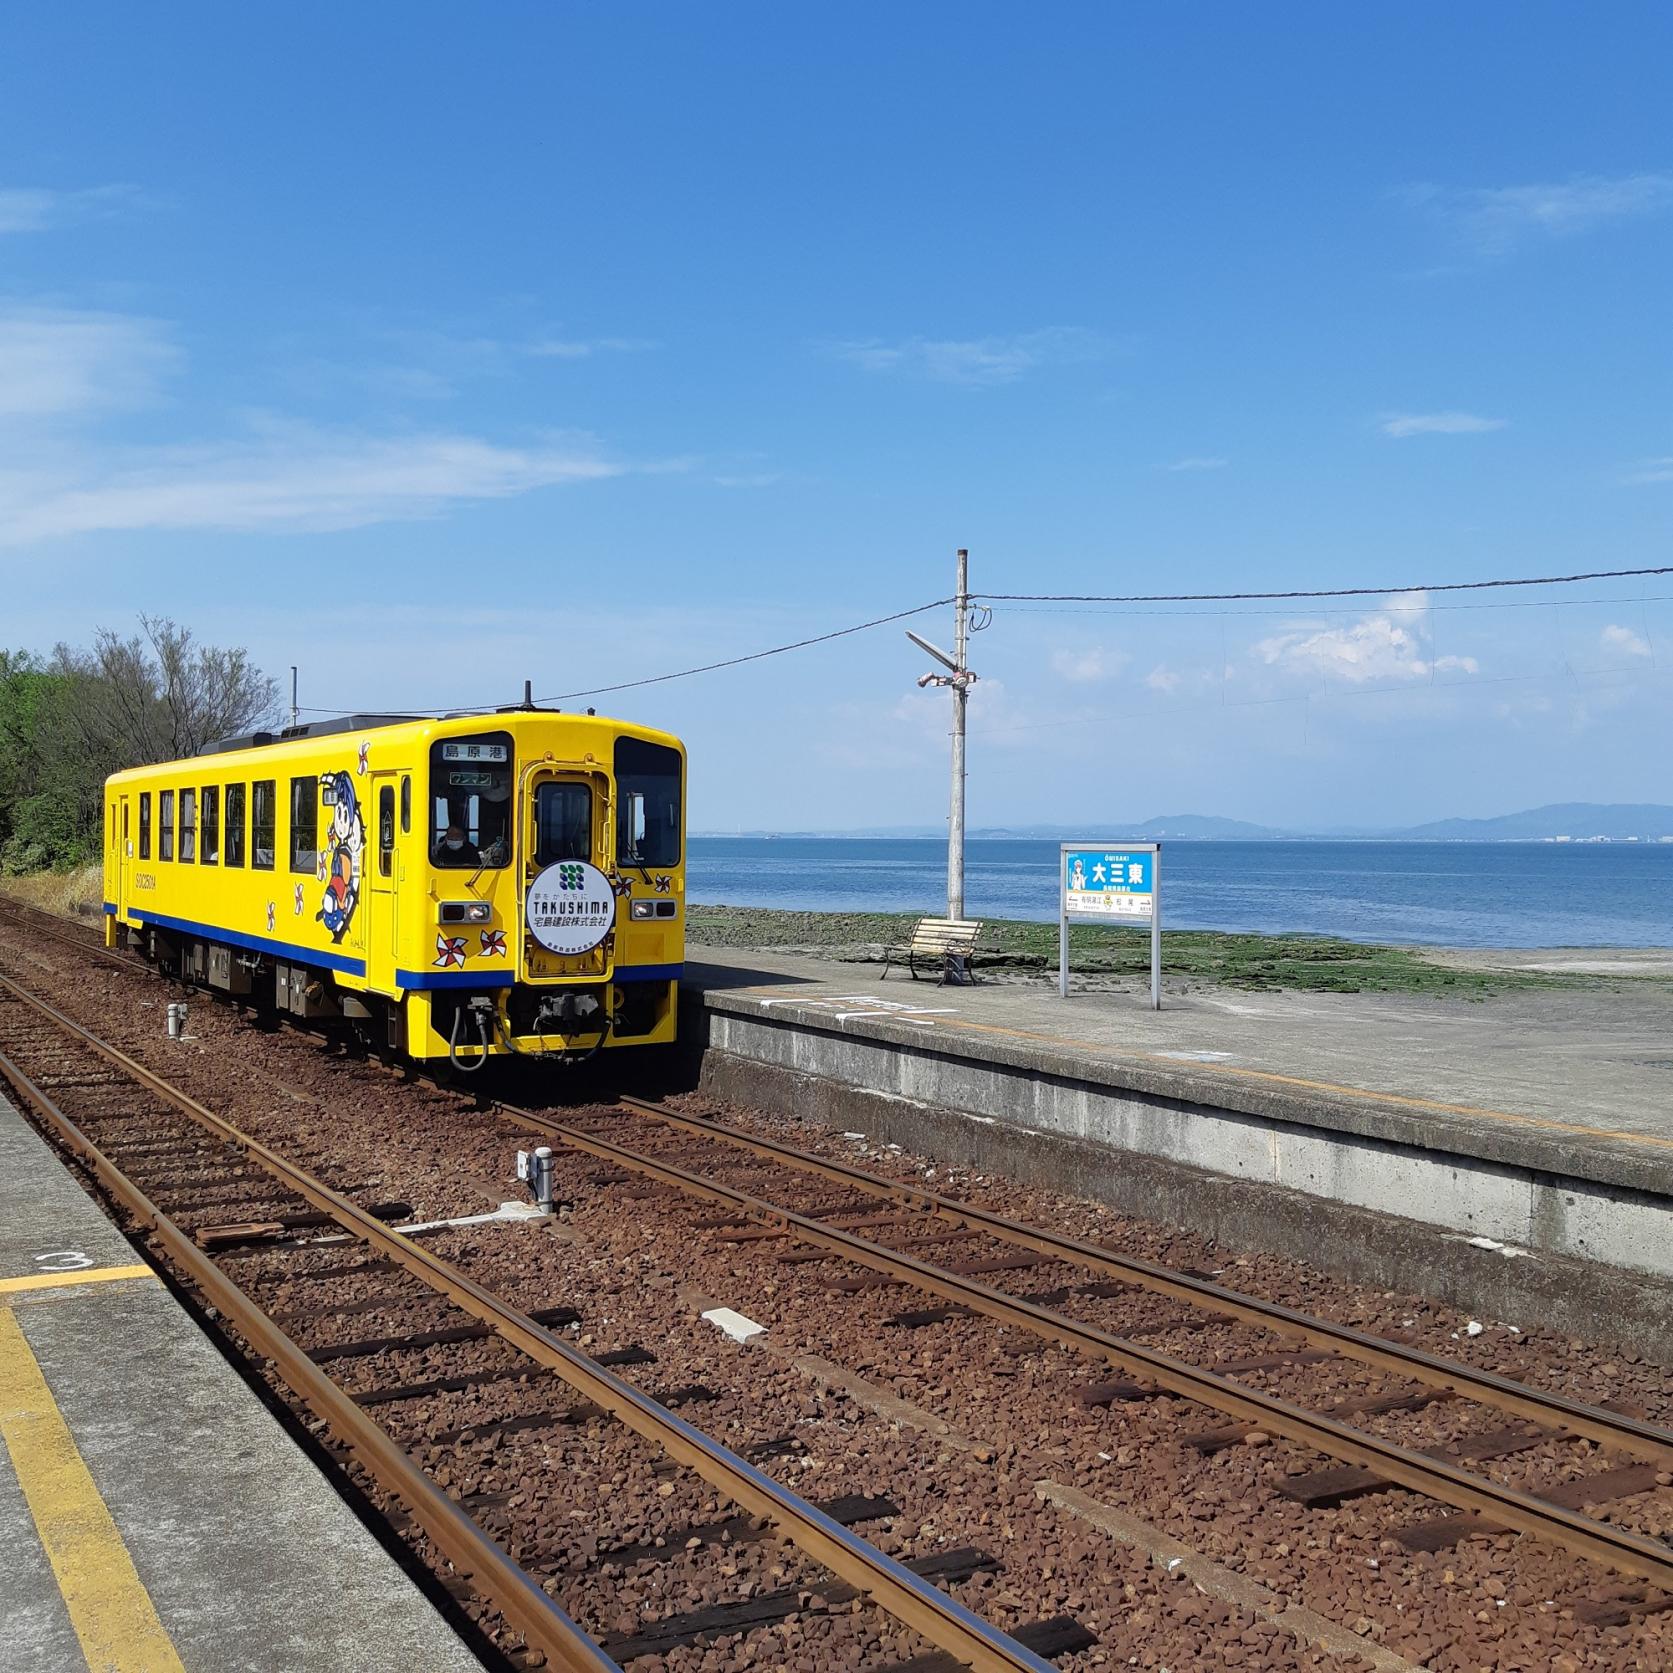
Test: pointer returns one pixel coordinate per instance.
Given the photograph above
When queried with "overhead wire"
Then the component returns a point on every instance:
(984, 598)
(1317, 592)
(754, 656)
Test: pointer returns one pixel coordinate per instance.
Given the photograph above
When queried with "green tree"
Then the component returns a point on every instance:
(66, 725)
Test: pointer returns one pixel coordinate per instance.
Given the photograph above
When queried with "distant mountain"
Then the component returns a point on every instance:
(1181, 827)
(1576, 820)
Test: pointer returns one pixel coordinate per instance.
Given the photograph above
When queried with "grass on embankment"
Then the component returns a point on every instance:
(78, 893)
(1304, 963)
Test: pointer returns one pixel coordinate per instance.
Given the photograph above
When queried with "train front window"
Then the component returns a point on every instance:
(563, 818)
(647, 803)
(470, 801)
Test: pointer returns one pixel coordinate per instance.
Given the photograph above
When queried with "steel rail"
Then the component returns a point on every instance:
(893, 1587)
(1486, 1387)
(123, 961)
(475, 1557)
(1617, 1548)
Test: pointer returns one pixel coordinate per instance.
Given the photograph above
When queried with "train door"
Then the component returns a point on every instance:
(121, 817)
(381, 935)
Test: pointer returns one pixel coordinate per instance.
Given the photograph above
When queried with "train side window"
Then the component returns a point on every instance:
(124, 824)
(304, 824)
(209, 816)
(145, 824)
(165, 824)
(188, 825)
(406, 804)
(235, 825)
(264, 802)
(386, 830)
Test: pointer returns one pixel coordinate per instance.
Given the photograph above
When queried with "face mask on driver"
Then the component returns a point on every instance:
(455, 846)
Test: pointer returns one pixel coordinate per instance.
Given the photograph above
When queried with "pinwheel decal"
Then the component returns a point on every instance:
(450, 952)
(493, 943)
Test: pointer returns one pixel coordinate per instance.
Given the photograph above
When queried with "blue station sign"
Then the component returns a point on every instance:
(1109, 883)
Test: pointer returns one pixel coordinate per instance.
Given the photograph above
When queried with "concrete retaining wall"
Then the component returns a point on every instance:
(1379, 1200)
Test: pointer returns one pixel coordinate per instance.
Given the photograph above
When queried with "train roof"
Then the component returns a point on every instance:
(308, 730)
(301, 735)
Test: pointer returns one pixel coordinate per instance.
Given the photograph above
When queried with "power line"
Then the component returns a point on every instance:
(1085, 598)
(1319, 592)
(1386, 609)
(753, 656)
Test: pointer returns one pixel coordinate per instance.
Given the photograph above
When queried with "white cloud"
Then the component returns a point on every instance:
(1618, 638)
(1653, 470)
(1496, 219)
(578, 348)
(1089, 665)
(1197, 463)
(40, 209)
(63, 363)
(1163, 679)
(284, 479)
(1388, 644)
(1403, 424)
(978, 362)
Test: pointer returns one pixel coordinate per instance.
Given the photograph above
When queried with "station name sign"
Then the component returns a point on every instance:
(1119, 884)
(1105, 883)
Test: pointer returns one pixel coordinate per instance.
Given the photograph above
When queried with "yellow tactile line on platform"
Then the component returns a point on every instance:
(108, 1605)
(1365, 1093)
(63, 1280)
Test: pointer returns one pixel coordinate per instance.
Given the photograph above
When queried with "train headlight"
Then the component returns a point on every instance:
(654, 909)
(465, 912)
(644, 909)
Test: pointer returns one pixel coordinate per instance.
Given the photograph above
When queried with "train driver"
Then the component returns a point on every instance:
(456, 849)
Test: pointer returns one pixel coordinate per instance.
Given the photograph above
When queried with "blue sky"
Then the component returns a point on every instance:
(433, 349)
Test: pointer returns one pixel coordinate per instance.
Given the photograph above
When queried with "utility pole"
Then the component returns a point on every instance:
(294, 711)
(961, 701)
(959, 679)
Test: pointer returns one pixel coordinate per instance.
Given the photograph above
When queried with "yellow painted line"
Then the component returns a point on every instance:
(108, 1605)
(1231, 1071)
(62, 1280)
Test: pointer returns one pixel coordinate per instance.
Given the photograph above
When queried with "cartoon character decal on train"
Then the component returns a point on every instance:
(339, 855)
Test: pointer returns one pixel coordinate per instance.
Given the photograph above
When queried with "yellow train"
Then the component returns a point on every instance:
(485, 884)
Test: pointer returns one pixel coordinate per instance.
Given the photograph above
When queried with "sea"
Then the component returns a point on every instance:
(1453, 894)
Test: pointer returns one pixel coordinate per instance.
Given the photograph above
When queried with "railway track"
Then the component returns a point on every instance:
(878, 1232)
(215, 1201)
(1365, 1461)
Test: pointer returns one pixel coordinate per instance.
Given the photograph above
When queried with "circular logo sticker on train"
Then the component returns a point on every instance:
(571, 907)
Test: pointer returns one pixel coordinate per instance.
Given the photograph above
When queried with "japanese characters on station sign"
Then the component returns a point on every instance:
(1118, 883)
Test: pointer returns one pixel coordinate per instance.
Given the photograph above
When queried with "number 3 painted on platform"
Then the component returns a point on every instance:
(63, 1260)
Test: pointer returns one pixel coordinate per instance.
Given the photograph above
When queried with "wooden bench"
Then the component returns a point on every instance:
(947, 941)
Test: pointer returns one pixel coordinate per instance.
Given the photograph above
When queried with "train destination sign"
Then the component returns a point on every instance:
(1120, 884)
(571, 907)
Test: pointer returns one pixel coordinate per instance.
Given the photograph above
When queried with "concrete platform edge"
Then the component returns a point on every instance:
(1516, 1141)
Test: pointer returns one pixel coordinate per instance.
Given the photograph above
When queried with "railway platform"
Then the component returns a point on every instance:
(1514, 1156)
(154, 1516)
